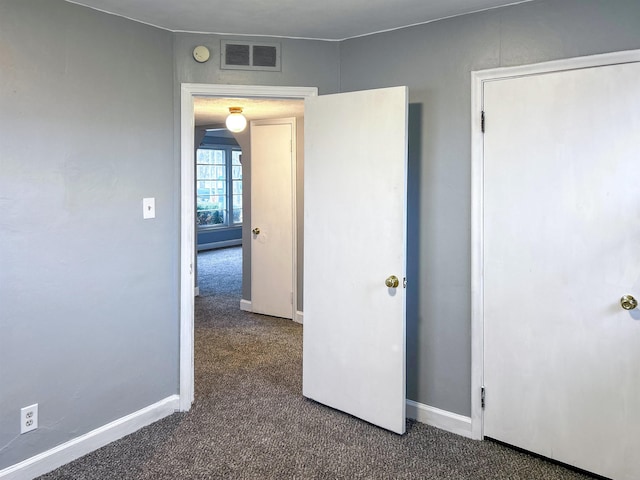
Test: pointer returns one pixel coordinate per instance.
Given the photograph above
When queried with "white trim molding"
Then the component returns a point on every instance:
(221, 244)
(76, 448)
(187, 214)
(478, 79)
(442, 419)
(245, 305)
(187, 246)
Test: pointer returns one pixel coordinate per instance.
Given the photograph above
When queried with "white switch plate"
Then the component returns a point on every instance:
(148, 208)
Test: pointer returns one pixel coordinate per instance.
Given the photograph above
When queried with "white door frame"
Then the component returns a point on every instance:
(187, 214)
(478, 78)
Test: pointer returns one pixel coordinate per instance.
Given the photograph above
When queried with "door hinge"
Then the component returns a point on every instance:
(482, 124)
(482, 398)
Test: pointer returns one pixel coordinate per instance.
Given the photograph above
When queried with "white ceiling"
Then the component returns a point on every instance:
(213, 111)
(318, 19)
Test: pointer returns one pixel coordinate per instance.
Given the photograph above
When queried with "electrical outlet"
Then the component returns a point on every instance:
(29, 418)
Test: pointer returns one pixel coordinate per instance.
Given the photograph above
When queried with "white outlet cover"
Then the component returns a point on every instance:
(148, 208)
(29, 418)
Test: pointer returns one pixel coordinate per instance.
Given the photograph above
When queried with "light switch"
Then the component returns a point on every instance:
(148, 208)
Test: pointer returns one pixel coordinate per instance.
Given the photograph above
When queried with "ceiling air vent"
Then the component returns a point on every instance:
(250, 56)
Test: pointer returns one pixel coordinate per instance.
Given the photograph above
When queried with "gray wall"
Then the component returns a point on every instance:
(88, 290)
(305, 63)
(435, 61)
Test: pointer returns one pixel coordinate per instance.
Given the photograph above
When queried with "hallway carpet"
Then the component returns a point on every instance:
(250, 421)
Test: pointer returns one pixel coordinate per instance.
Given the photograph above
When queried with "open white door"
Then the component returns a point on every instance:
(354, 240)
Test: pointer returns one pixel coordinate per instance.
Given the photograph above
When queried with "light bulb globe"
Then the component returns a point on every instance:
(236, 122)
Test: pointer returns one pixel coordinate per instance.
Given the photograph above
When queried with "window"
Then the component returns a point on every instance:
(218, 186)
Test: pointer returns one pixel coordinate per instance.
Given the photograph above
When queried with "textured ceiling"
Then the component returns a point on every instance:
(213, 110)
(319, 19)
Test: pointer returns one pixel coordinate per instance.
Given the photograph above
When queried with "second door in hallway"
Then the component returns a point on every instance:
(272, 194)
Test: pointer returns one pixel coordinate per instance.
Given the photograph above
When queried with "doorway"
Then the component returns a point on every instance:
(253, 186)
(187, 230)
(553, 255)
(352, 151)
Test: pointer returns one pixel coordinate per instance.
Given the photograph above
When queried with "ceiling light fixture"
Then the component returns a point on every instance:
(236, 122)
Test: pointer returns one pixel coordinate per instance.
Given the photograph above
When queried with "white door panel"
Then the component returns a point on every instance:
(354, 238)
(272, 214)
(562, 245)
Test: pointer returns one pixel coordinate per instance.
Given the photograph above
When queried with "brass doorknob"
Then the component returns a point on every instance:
(628, 302)
(392, 282)
(256, 231)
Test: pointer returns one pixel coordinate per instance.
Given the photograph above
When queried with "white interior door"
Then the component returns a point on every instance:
(354, 238)
(561, 247)
(272, 187)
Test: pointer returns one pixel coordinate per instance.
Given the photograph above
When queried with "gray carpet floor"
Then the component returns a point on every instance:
(250, 421)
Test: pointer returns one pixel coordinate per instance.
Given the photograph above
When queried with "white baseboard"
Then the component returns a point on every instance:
(451, 422)
(76, 448)
(222, 244)
(245, 305)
